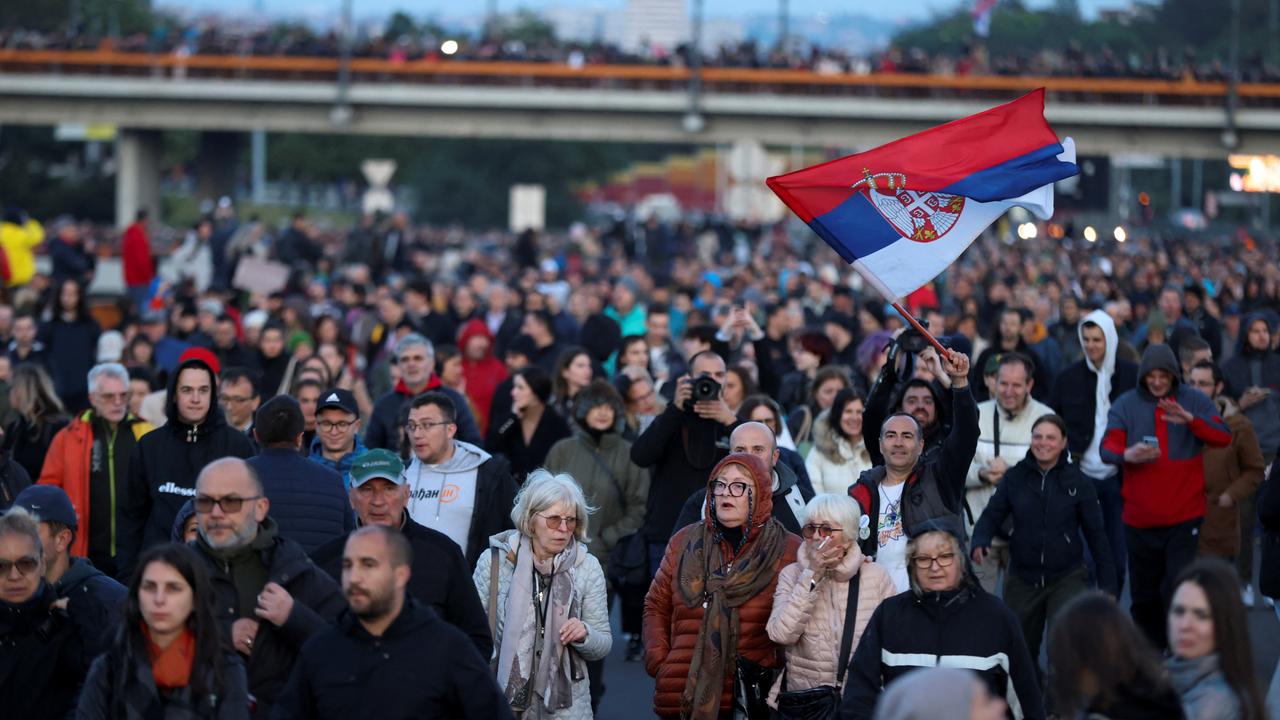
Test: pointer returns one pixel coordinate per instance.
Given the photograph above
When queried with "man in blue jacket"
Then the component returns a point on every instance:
(310, 505)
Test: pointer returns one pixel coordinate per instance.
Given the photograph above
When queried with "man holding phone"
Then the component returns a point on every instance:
(1157, 432)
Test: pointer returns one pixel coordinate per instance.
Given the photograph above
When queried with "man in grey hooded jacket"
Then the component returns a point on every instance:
(455, 487)
(1082, 395)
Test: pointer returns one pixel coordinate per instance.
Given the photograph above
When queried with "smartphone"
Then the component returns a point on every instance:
(1152, 440)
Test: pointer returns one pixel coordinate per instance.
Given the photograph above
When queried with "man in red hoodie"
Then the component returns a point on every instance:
(415, 357)
(139, 266)
(483, 371)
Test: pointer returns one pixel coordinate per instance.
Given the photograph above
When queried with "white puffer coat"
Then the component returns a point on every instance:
(589, 589)
(808, 622)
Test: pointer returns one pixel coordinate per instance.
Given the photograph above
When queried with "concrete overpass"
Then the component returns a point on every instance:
(225, 97)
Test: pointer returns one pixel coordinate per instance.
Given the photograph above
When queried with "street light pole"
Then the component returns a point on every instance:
(784, 22)
(693, 120)
(1230, 136)
(341, 113)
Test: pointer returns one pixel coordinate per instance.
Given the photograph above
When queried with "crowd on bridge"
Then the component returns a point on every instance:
(287, 40)
(415, 480)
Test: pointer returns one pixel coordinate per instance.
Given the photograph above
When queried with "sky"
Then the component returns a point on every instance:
(891, 11)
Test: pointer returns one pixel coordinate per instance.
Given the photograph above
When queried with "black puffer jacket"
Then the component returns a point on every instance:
(94, 603)
(121, 687)
(308, 502)
(1051, 511)
(317, 600)
(164, 467)
(42, 661)
(1269, 516)
(421, 667)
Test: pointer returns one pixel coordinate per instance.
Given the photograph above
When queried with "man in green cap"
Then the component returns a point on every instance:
(440, 577)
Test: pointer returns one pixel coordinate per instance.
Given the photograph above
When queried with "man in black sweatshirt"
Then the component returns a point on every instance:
(166, 461)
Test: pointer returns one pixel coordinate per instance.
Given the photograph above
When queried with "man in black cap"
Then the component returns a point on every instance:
(337, 440)
(441, 578)
(93, 600)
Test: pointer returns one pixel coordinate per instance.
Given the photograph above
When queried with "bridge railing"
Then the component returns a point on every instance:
(635, 77)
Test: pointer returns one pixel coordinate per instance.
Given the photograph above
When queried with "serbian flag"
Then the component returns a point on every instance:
(903, 212)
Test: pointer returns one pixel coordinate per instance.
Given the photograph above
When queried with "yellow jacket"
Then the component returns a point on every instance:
(18, 242)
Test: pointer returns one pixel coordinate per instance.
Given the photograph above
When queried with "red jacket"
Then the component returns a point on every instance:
(135, 253)
(67, 466)
(671, 627)
(484, 375)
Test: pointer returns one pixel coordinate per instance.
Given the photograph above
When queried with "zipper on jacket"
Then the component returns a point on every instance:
(111, 480)
(1044, 514)
(191, 432)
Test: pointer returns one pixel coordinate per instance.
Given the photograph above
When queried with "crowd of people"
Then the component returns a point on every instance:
(416, 479)
(211, 37)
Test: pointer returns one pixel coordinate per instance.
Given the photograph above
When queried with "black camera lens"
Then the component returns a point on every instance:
(704, 388)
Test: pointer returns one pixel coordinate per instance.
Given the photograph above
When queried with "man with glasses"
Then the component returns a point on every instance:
(455, 487)
(441, 577)
(269, 598)
(238, 394)
(311, 507)
(416, 359)
(165, 463)
(42, 664)
(789, 497)
(89, 460)
(337, 441)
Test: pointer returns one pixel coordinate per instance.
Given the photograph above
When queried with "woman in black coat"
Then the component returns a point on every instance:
(70, 338)
(168, 659)
(526, 437)
(40, 417)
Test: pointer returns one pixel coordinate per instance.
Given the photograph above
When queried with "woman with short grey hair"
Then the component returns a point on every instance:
(546, 599)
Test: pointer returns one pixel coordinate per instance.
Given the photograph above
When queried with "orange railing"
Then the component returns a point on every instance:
(620, 76)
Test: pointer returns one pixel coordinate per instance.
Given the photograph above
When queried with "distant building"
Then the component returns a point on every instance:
(659, 25)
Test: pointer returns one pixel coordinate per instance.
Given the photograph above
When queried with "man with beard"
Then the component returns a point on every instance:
(395, 656)
(269, 598)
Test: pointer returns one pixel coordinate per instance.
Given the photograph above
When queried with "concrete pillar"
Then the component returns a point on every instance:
(217, 163)
(137, 174)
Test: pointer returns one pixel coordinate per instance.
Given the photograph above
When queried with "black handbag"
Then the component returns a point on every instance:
(752, 688)
(629, 564)
(822, 702)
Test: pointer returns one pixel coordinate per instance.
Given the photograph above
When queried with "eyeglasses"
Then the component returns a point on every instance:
(554, 522)
(26, 565)
(117, 398)
(823, 530)
(923, 562)
(413, 427)
(229, 504)
(327, 425)
(733, 489)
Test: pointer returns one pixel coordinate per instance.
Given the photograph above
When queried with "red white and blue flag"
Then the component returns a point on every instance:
(902, 212)
(982, 10)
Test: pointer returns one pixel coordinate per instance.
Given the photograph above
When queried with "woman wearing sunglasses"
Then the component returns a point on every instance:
(822, 605)
(546, 599)
(168, 659)
(946, 619)
(706, 611)
(41, 662)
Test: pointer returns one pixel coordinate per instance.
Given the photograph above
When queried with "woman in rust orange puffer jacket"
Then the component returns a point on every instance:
(713, 593)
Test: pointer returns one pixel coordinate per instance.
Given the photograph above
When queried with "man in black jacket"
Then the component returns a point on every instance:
(268, 596)
(789, 496)
(166, 462)
(1082, 396)
(416, 358)
(910, 487)
(681, 446)
(94, 601)
(441, 579)
(389, 656)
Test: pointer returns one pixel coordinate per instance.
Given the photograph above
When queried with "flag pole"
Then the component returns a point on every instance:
(942, 351)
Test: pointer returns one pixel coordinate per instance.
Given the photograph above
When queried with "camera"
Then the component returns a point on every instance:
(912, 340)
(704, 387)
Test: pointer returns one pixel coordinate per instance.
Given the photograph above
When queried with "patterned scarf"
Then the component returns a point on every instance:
(555, 672)
(705, 579)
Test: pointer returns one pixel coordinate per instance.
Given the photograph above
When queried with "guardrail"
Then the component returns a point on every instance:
(736, 80)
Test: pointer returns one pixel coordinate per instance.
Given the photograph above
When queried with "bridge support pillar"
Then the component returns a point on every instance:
(217, 163)
(137, 174)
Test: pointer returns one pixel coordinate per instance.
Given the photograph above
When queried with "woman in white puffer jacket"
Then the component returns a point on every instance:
(550, 606)
(839, 454)
(813, 592)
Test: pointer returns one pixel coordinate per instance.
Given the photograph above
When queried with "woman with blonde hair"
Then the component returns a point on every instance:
(40, 417)
(546, 599)
(822, 604)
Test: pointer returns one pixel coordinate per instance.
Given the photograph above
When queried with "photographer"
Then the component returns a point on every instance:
(682, 445)
(912, 381)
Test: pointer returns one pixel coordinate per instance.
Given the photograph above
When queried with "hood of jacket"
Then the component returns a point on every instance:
(79, 572)
(786, 479)
(414, 616)
(1158, 357)
(212, 419)
(761, 502)
(1243, 349)
(466, 457)
(952, 526)
(1104, 321)
(184, 514)
(475, 328)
